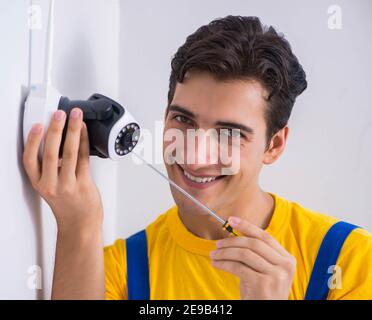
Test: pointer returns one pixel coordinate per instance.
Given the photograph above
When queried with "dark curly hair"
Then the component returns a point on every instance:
(238, 47)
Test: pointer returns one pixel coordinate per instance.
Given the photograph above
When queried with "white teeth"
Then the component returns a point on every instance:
(198, 179)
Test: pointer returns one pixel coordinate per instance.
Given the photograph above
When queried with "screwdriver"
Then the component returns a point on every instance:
(225, 224)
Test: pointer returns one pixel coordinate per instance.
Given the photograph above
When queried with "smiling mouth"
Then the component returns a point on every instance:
(199, 180)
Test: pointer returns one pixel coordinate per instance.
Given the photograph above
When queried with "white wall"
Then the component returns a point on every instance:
(20, 240)
(85, 61)
(327, 165)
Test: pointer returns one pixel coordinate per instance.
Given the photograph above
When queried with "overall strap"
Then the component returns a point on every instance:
(138, 267)
(327, 256)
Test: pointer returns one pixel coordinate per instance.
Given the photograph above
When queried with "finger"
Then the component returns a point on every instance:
(71, 146)
(83, 157)
(245, 256)
(236, 268)
(256, 245)
(51, 147)
(250, 230)
(30, 154)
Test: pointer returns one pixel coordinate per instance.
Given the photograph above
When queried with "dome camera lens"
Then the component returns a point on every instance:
(127, 139)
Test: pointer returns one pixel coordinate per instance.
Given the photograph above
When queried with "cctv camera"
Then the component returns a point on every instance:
(112, 130)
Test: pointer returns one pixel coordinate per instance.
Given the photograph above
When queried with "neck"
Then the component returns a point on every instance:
(255, 206)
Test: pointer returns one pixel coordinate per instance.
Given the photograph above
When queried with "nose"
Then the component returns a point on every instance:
(201, 152)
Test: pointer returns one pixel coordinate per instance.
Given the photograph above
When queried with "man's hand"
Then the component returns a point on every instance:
(68, 189)
(265, 268)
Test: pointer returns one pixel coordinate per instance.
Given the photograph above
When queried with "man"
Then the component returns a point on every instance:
(231, 74)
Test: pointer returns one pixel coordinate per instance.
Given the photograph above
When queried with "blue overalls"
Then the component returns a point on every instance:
(138, 266)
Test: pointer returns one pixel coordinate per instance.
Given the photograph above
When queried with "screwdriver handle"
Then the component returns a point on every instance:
(226, 226)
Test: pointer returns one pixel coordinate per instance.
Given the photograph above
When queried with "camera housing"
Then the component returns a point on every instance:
(112, 130)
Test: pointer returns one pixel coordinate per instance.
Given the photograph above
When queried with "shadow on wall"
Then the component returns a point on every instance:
(31, 198)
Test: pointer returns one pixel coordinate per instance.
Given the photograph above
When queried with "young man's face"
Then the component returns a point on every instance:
(201, 102)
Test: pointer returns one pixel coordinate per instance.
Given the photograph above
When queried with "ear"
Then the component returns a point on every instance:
(277, 146)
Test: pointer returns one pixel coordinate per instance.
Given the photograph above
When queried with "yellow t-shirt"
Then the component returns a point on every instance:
(180, 266)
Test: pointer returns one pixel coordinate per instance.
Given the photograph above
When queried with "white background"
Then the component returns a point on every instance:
(123, 49)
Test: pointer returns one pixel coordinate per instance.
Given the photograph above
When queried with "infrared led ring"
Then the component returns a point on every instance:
(127, 139)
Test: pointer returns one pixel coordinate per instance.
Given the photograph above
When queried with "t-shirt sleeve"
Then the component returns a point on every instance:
(354, 265)
(116, 271)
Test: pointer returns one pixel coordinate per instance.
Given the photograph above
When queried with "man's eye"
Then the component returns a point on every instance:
(183, 119)
(232, 133)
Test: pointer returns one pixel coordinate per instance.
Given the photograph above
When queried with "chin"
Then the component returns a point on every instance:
(190, 207)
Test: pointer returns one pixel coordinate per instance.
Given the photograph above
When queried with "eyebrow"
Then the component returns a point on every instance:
(235, 125)
(177, 108)
(183, 110)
